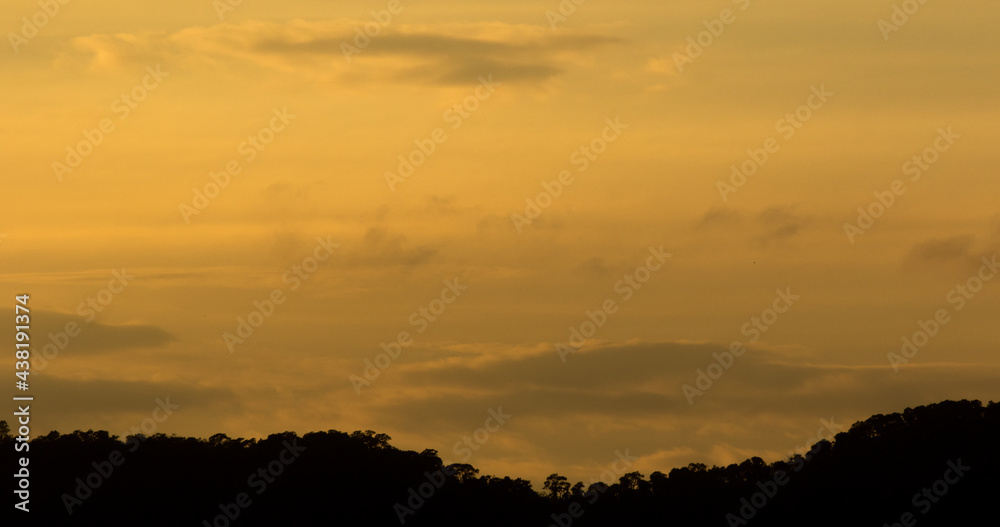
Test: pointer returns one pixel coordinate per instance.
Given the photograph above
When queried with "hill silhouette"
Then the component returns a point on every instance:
(931, 465)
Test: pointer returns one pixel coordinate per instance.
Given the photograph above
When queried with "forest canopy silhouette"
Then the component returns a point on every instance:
(929, 465)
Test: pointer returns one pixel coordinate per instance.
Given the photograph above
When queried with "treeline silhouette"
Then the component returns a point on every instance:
(930, 465)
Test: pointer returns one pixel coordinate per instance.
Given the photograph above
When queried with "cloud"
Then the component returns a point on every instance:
(453, 60)
(940, 251)
(646, 379)
(597, 266)
(779, 224)
(98, 401)
(95, 337)
(629, 395)
(718, 216)
(776, 224)
(452, 54)
(380, 248)
(445, 206)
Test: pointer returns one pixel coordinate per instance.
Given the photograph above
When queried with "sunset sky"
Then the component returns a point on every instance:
(116, 115)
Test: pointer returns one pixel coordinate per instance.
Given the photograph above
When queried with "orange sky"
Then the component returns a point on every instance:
(552, 159)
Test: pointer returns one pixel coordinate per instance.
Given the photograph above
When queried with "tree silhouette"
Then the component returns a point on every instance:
(873, 474)
(558, 486)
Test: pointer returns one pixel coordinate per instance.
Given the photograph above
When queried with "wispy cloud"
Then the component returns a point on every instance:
(438, 54)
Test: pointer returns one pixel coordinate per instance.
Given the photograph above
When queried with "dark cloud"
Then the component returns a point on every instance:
(943, 251)
(438, 55)
(596, 265)
(446, 206)
(381, 248)
(94, 337)
(779, 224)
(776, 224)
(81, 398)
(616, 396)
(469, 71)
(719, 216)
(450, 59)
(646, 380)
